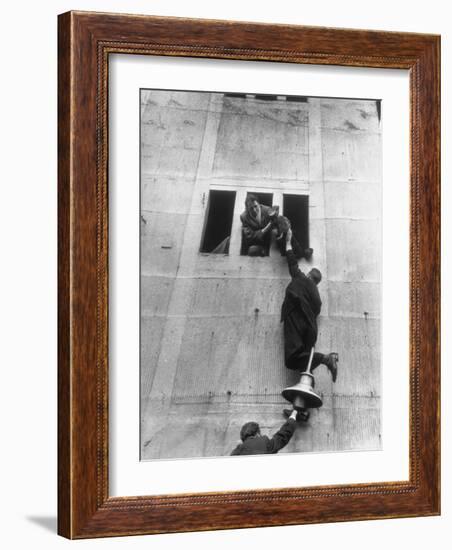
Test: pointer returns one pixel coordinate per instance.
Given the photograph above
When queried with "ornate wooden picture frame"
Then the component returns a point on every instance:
(86, 41)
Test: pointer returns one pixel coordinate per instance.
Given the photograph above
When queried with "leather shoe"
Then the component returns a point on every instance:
(332, 361)
(302, 416)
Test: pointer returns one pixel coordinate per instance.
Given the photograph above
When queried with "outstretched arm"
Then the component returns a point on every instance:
(253, 234)
(282, 436)
(292, 261)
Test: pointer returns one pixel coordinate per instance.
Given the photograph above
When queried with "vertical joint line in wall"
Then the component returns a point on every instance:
(199, 166)
(203, 168)
(314, 104)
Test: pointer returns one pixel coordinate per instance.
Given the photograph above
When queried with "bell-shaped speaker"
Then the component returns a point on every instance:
(302, 395)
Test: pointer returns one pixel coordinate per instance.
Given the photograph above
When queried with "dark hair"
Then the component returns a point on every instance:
(250, 198)
(249, 430)
(316, 275)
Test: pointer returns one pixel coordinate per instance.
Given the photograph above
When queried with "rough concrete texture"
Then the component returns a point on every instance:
(211, 337)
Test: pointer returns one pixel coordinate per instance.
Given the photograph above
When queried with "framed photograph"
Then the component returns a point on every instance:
(248, 275)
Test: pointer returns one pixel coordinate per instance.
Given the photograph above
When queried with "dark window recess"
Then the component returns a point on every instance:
(296, 208)
(297, 98)
(262, 198)
(233, 94)
(266, 97)
(218, 222)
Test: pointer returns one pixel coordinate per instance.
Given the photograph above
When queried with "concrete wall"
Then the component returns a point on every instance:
(211, 340)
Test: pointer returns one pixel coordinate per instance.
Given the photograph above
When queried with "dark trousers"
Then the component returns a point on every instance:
(299, 339)
(300, 361)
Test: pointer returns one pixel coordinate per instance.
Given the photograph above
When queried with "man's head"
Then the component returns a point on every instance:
(250, 429)
(315, 275)
(252, 205)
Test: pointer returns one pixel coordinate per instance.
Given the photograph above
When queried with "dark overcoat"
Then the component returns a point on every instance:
(299, 313)
(252, 228)
(263, 445)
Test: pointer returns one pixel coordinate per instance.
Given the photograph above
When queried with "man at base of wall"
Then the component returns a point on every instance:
(253, 443)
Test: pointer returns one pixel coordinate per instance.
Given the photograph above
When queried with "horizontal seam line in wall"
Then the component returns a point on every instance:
(251, 277)
(252, 315)
(269, 395)
(288, 107)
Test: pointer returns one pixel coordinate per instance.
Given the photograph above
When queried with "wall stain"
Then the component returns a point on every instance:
(350, 126)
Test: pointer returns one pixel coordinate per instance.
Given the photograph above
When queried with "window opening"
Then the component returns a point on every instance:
(218, 222)
(297, 98)
(296, 209)
(266, 97)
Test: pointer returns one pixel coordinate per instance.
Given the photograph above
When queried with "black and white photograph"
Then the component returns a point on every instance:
(225, 227)
(260, 274)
